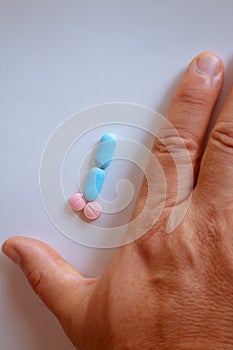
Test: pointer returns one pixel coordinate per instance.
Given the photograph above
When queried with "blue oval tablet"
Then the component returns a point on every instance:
(94, 184)
(105, 151)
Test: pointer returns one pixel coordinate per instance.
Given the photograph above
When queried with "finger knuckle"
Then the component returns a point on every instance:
(149, 245)
(161, 146)
(190, 98)
(222, 136)
(174, 250)
(35, 279)
(174, 141)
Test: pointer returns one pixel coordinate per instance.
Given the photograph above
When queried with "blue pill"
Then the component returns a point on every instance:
(105, 151)
(94, 184)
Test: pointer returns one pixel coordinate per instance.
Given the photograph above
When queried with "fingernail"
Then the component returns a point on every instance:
(209, 65)
(12, 254)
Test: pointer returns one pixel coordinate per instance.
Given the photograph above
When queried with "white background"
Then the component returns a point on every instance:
(57, 57)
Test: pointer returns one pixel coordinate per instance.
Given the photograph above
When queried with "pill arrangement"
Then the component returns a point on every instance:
(86, 201)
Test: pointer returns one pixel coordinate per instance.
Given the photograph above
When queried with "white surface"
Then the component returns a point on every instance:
(70, 154)
(58, 57)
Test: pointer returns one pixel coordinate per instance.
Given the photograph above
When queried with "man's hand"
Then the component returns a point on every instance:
(164, 291)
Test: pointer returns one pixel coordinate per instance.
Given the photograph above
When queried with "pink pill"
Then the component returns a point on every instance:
(92, 210)
(77, 202)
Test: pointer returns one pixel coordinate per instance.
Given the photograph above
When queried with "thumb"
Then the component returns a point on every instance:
(59, 285)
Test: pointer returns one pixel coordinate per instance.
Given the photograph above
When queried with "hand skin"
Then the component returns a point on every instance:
(164, 291)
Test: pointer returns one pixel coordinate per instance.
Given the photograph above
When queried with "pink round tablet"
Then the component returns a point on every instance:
(77, 202)
(92, 210)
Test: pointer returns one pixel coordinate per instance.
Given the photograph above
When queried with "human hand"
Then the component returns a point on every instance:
(163, 291)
